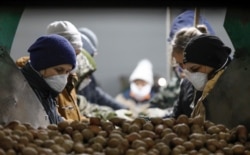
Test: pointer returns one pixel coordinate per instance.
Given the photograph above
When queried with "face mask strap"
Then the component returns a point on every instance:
(210, 75)
(222, 66)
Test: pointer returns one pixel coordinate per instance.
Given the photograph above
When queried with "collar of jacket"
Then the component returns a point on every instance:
(211, 83)
(36, 81)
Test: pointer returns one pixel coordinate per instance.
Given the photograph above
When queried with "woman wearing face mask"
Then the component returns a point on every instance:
(140, 91)
(188, 94)
(52, 58)
(205, 59)
(67, 100)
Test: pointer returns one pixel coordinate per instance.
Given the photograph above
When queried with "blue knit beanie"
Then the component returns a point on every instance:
(89, 39)
(186, 19)
(51, 50)
(87, 45)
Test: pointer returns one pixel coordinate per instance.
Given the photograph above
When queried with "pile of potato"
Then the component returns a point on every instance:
(118, 136)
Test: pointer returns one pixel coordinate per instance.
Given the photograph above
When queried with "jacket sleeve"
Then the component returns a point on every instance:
(94, 94)
(104, 98)
(186, 97)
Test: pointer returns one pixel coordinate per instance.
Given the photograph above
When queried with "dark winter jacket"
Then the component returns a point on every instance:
(94, 94)
(45, 94)
(188, 95)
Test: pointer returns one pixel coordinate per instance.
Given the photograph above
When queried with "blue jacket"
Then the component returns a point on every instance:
(45, 94)
(94, 94)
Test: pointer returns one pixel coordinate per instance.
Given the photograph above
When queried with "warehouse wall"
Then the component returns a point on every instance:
(125, 35)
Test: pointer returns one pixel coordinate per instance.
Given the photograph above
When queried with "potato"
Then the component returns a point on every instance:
(188, 145)
(77, 136)
(78, 147)
(29, 151)
(166, 131)
(11, 152)
(182, 130)
(238, 149)
(156, 120)
(62, 125)
(149, 141)
(148, 126)
(199, 120)
(94, 129)
(131, 152)
(133, 128)
(168, 137)
(94, 121)
(28, 135)
(87, 134)
(102, 133)
(57, 148)
(12, 124)
(80, 126)
(182, 119)
(107, 126)
(138, 143)
(23, 140)
(213, 130)
(113, 142)
(112, 151)
(6, 143)
(242, 133)
(176, 141)
(208, 124)
(141, 150)
(133, 136)
(125, 127)
(52, 127)
(43, 135)
(69, 130)
(195, 128)
(168, 122)
(68, 145)
(97, 147)
(115, 135)
(48, 143)
(117, 121)
(44, 151)
(159, 128)
(100, 139)
(146, 133)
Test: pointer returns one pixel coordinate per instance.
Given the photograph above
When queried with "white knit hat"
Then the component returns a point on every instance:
(143, 71)
(67, 30)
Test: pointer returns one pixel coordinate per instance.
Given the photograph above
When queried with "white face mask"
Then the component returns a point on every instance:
(57, 82)
(84, 83)
(140, 93)
(198, 79)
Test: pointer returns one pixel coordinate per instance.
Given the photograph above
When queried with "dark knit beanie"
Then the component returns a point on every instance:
(51, 50)
(206, 50)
